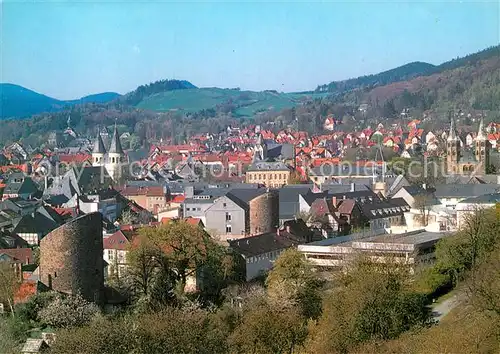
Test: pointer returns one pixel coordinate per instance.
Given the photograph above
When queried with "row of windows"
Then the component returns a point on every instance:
(270, 255)
(258, 177)
(193, 209)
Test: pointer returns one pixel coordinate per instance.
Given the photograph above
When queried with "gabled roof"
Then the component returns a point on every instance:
(24, 255)
(34, 346)
(261, 244)
(119, 240)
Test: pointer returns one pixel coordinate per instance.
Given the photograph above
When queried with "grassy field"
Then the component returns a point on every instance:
(249, 102)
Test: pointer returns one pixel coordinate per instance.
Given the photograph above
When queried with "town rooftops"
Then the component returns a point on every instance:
(18, 183)
(328, 170)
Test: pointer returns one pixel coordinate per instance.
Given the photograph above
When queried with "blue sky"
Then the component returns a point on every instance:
(67, 49)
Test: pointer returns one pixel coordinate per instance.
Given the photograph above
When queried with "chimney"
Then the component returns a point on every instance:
(288, 228)
(353, 187)
(424, 186)
(334, 202)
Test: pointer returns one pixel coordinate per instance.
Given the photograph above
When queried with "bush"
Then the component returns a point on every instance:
(69, 311)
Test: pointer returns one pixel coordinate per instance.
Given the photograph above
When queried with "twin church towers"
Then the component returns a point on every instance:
(111, 159)
(462, 161)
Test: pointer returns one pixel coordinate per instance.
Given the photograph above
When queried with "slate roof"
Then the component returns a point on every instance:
(268, 166)
(115, 146)
(261, 244)
(289, 199)
(343, 170)
(492, 198)
(98, 145)
(383, 209)
(465, 190)
(37, 224)
(247, 194)
(284, 151)
(18, 183)
(137, 155)
(237, 201)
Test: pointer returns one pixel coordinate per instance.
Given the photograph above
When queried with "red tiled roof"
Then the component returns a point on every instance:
(118, 241)
(346, 206)
(178, 199)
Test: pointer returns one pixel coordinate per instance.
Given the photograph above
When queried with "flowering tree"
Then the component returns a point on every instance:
(69, 311)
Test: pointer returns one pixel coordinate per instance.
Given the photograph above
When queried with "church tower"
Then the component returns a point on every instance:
(260, 150)
(482, 151)
(452, 150)
(115, 157)
(99, 151)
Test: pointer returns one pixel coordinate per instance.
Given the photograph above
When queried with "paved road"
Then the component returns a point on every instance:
(443, 308)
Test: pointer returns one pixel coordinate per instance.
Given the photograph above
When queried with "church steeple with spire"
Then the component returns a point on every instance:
(483, 147)
(452, 149)
(115, 155)
(260, 149)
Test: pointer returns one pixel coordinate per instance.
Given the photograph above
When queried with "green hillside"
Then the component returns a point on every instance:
(244, 103)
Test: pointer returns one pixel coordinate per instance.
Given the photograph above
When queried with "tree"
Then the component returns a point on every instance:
(292, 282)
(9, 284)
(184, 248)
(487, 285)
(268, 330)
(177, 251)
(143, 259)
(423, 203)
(372, 302)
(295, 178)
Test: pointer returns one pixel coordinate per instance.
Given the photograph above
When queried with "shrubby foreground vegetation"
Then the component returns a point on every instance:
(370, 309)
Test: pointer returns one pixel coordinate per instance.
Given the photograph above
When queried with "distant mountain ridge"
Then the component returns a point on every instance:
(405, 72)
(19, 102)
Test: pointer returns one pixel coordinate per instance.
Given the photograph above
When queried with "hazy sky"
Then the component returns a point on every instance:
(67, 49)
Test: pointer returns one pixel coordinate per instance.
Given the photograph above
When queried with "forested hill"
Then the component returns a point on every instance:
(135, 97)
(405, 72)
(402, 73)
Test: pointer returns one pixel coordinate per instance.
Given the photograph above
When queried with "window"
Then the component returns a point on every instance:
(228, 229)
(224, 205)
(228, 217)
(187, 209)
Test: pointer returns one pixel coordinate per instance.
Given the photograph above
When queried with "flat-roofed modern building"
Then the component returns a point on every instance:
(409, 248)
